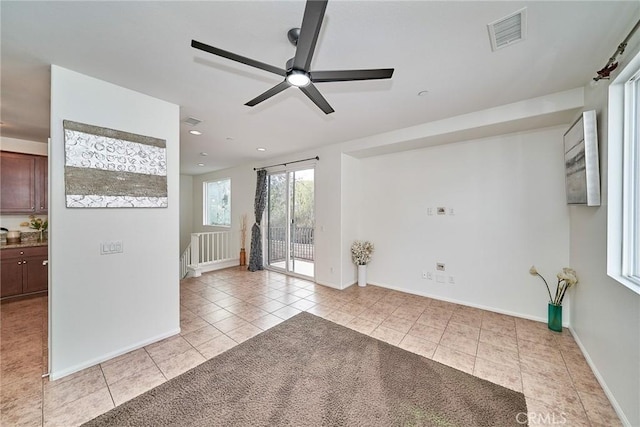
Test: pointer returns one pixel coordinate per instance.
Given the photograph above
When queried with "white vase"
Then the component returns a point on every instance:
(362, 275)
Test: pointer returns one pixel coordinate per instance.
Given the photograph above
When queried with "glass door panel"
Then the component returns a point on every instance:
(291, 222)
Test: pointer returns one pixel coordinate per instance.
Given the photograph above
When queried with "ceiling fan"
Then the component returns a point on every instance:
(297, 72)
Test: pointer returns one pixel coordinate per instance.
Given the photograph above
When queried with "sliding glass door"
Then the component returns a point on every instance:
(291, 222)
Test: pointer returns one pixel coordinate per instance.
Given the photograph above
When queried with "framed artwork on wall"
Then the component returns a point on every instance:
(106, 168)
(581, 165)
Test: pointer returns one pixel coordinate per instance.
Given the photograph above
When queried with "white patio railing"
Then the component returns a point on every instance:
(210, 251)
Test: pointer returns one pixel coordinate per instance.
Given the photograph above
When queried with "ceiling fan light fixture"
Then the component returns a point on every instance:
(298, 78)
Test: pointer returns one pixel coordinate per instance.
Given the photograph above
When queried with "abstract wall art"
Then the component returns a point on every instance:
(582, 170)
(106, 168)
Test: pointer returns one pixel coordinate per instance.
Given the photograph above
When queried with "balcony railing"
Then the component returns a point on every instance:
(302, 243)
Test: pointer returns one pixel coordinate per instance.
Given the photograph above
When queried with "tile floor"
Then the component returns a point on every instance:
(224, 308)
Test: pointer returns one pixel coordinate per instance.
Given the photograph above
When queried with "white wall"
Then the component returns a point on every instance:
(605, 314)
(510, 212)
(351, 216)
(105, 305)
(186, 211)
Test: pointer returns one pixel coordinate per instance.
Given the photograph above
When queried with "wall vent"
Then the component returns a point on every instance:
(192, 121)
(508, 30)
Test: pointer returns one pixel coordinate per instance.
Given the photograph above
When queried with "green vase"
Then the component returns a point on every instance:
(555, 317)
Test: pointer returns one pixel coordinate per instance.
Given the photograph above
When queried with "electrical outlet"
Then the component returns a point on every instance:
(452, 212)
(451, 280)
(430, 211)
(429, 275)
(440, 266)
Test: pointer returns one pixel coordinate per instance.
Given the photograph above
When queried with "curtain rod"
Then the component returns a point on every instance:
(288, 163)
(612, 64)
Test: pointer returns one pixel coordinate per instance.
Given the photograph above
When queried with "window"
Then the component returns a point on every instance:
(631, 185)
(217, 203)
(623, 215)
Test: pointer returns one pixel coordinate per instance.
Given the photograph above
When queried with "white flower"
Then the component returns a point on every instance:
(361, 252)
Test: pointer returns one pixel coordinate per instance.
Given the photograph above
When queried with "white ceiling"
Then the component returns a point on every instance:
(439, 46)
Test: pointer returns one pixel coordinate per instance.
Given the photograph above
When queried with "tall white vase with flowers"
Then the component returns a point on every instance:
(361, 255)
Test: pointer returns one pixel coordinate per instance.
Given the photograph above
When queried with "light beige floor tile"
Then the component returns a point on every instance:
(455, 359)
(361, 325)
(419, 346)
(498, 373)
(499, 339)
(387, 335)
(82, 384)
(459, 342)
(216, 346)
(230, 323)
(268, 321)
(137, 383)
(243, 333)
(425, 332)
(181, 363)
(126, 365)
(463, 330)
(202, 335)
(398, 323)
(167, 348)
(303, 304)
(543, 414)
(505, 356)
(340, 317)
(21, 410)
(217, 316)
(286, 312)
(190, 325)
(599, 410)
(79, 411)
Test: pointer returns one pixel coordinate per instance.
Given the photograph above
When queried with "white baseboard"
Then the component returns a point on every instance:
(55, 375)
(197, 271)
(601, 380)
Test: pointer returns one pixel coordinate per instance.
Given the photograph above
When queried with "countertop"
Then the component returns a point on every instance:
(23, 245)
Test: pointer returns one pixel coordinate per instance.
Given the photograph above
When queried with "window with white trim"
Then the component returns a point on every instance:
(631, 181)
(217, 203)
(623, 211)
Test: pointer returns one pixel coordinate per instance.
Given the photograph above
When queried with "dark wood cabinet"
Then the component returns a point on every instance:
(24, 182)
(24, 271)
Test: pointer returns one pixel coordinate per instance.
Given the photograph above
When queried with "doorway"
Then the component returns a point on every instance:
(291, 222)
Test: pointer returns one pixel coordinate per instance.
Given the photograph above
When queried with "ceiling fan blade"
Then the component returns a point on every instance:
(268, 94)
(238, 58)
(348, 75)
(312, 92)
(309, 30)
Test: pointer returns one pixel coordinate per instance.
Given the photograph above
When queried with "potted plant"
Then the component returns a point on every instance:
(243, 239)
(566, 279)
(37, 224)
(361, 255)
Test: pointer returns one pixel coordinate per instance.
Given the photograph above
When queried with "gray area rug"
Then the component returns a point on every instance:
(308, 371)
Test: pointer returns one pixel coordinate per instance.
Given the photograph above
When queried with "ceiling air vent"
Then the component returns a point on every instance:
(508, 30)
(192, 121)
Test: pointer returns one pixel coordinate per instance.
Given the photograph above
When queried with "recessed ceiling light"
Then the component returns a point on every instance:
(204, 154)
(261, 149)
(423, 93)
(200, 164)
(195, 132)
